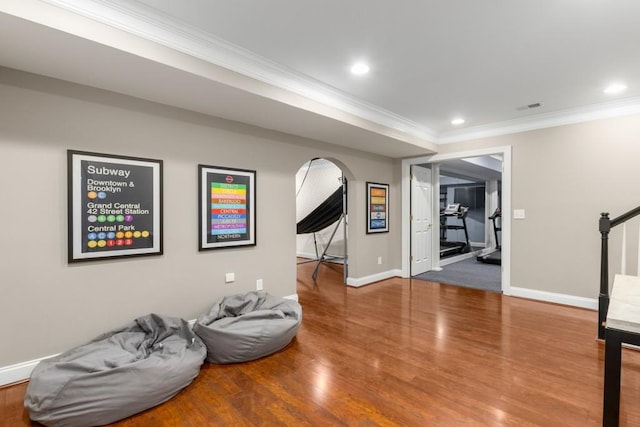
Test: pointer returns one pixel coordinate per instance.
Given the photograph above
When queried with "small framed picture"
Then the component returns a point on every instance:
(377, 208)
(227, 207)
(115, 206)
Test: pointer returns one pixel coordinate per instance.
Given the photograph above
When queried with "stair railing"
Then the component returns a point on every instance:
(605, 225)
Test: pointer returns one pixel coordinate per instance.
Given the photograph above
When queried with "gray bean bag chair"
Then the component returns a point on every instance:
(244, 327)
(116, 375)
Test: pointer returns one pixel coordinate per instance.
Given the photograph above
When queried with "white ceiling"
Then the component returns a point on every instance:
(431, 60)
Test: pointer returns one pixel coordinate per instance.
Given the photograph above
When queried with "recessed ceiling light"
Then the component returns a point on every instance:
(615, 89)
(359, 68)
(457, 121)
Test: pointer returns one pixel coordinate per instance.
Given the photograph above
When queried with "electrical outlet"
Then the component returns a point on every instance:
(230, 277)
(379, 260)
(259, 284)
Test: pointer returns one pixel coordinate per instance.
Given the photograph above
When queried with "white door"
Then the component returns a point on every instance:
(421, 219)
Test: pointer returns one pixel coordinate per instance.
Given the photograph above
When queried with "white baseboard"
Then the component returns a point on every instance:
(572, 300)
(292, 296)
(306, 255)
(337, 259)
(361, 281)
(457, 258)
(19, 372)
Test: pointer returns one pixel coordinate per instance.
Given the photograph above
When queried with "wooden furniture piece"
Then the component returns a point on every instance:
(623, 326)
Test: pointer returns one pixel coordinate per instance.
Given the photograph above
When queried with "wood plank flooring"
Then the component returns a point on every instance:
(405, 353)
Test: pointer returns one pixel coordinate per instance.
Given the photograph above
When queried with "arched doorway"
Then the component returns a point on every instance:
(321, 215)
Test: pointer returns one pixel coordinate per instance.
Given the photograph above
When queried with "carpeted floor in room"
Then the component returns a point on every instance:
(469, 273)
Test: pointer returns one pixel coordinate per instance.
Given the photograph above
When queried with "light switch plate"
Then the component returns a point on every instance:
(518, 214)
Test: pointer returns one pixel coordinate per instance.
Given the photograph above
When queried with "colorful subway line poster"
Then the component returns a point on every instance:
(227, 207)
(377, 207)
(115, 206)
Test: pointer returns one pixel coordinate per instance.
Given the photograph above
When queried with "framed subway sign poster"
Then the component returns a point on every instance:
(115, 206)
(227, 207)
(377, 208)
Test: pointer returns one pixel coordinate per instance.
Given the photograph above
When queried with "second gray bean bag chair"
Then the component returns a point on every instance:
(244, 327)
(116, 375)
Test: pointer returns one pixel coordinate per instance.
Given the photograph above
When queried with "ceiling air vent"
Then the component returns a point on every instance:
(530, 106)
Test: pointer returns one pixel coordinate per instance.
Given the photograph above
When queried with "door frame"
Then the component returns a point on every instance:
(505, 151)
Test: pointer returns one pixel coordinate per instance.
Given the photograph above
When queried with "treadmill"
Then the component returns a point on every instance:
(494, 257)
(448, 247)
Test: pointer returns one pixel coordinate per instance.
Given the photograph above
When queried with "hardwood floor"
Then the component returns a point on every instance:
(406, 353)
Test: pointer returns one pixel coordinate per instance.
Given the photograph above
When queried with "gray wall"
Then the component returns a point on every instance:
(48, 306)
(564, 177)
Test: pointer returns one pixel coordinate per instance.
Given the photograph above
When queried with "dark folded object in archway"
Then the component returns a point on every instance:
(324, 215)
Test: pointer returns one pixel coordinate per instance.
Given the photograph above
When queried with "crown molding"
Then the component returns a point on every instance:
(588, 113)
(147, 23)
(150, 24)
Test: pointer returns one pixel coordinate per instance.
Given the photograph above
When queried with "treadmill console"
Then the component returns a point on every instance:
(452, 209)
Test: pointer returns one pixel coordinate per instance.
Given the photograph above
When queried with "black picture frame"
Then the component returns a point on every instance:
(377, 208)
(226, 207)
(114, 206)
